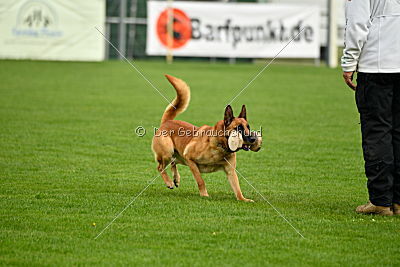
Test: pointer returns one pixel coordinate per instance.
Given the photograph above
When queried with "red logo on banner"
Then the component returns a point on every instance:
(181, 28)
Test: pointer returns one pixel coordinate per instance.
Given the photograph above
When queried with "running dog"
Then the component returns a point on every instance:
(203, 149)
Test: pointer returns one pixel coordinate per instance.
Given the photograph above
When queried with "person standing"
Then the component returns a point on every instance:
(372, 48)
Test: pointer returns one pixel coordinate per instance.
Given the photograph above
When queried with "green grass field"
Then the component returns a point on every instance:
(69, 157)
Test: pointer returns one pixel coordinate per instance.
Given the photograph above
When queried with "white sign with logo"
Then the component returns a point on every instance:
(52, 29)
(233, 30)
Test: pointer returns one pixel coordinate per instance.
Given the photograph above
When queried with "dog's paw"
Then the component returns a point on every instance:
(246, 200)
(170, 185)
(176, 183)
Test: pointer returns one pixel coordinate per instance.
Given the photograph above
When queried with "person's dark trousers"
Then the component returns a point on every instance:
(378, 102)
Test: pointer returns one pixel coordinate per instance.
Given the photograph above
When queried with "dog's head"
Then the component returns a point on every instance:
(249, 140)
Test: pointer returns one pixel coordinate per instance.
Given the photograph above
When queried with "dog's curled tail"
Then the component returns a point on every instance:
(181, 101)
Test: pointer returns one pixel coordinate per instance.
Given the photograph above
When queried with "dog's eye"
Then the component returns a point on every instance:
(248, 127)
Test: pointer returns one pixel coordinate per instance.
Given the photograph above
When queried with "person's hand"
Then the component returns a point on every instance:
(348, 78)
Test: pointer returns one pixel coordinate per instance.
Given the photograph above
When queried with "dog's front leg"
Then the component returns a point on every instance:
(234, 180)
(197, 176)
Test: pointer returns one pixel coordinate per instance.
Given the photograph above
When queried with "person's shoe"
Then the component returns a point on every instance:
(370, 208)
(396, 209)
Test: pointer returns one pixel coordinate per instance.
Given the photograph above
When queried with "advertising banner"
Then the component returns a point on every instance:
(207, 29)
(52, 29)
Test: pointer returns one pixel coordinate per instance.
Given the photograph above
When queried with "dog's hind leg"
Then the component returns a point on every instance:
(164, 149)
(177, 177)
(162, 166)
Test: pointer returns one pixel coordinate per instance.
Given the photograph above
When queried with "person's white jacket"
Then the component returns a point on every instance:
(372, 36)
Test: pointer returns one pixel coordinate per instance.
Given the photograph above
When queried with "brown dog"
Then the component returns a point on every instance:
(203, 149)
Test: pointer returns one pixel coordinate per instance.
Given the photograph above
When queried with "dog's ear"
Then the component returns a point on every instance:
(228, 117)
(243, 113)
